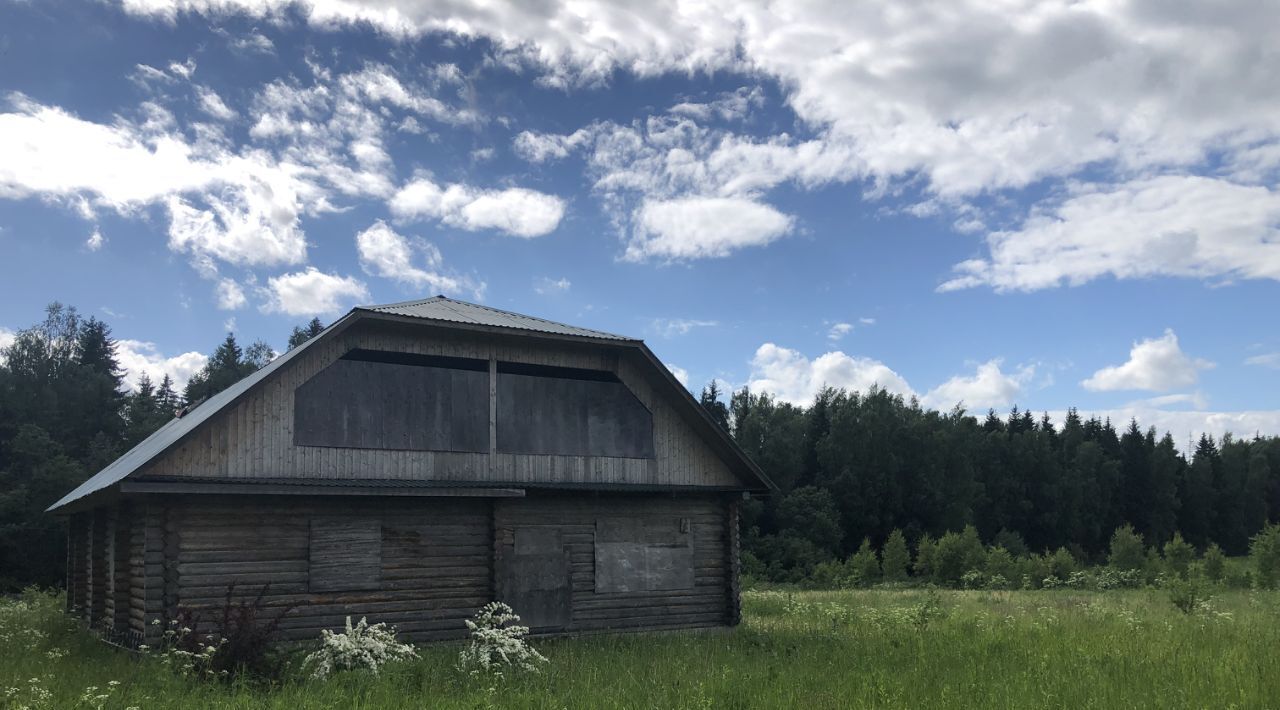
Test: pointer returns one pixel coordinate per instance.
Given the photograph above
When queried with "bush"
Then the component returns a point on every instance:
(864, 568)
(956, 554)
(1000, 563)
(240, 640)
(925, 551)
(1011, 541)
(1187, 594)
(1238, 577)
(498, 643)
(1062, 565)
(1264, 552)
(895, 559)
(359, 647)
(1178, 556)
(1215, 563)
(973, 579)
(1127, 549)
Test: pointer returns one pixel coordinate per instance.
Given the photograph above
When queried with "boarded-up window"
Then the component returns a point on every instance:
(346, 554)
(385, 400)
(643, 555)
(555, 410)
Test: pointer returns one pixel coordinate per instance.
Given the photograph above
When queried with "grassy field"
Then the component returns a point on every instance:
(848, 649)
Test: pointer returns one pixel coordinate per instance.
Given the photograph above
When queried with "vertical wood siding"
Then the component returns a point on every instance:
(255, 437)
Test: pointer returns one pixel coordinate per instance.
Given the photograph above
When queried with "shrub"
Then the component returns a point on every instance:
(1215, 563)
(358, 647)
(1000, 563)
(1011, 541)
(1178, 556)
(958, 553)
(1061, 564)
(864, 568)
(1264, 552)
(1127, 549)
(1238, 577)
(973, 579)
(498, 643)
(1187, 594)
(997, 581)
(895, 559)
(925, 550)
(1118, 579)
(240, 640)
(830, 575)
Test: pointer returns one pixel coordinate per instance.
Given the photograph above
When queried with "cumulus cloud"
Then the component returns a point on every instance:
(229, 294)
(1186, 426)
(95, 240)
(6, 338)
(1166, 226)
(988, 387)
(1154, 364)
(137, 357)
(703, 227)
(791, 377)
(515, 211)
(213, 105)
(312, 293)
(681, 374)
(386, 253)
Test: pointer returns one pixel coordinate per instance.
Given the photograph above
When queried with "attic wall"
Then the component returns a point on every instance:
(254, 438)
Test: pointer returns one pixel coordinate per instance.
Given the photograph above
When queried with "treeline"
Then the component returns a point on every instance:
(854, 466)
(65, 414)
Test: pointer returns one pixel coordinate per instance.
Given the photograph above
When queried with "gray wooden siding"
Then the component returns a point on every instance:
(434, 568)
(705, 603)
(556, 415)
(256, 436)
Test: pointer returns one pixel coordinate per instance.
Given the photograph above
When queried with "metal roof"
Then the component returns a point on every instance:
(439, 308)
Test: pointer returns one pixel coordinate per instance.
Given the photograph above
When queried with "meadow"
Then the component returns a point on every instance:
(811, 649)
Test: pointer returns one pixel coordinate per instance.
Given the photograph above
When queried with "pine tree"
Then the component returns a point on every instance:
(895, 559)
(303, 333)
(711, 402)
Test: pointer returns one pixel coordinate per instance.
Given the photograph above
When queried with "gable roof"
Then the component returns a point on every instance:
(437, 309)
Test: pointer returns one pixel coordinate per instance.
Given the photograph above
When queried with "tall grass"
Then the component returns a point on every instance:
(847, 649)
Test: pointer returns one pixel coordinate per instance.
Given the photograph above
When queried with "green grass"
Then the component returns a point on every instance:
(847, 649)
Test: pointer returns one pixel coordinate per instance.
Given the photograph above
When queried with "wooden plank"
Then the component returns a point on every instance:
(345, 554)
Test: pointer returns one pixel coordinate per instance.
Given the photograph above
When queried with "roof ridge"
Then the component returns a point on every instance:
(457, 301)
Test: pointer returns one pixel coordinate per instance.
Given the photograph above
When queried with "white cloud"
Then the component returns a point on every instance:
(213, 105)
(1196, 400)
(1271, 360)
(839, 330)
(515, 211)
(1155, 364)
(542, 147)
(384, 252)
(230, 295)
(253, 43)
(791, 377)
(671, 327)
(681, 374)
(138, 357)
(987, 388)
(95, 240)
(547, 285)
(703, 227)
(728, 106)
(867, 321)
(6, 338)
(312, 293)
(1166, 226)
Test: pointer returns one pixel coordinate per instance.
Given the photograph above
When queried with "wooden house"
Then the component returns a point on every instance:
(413, 462)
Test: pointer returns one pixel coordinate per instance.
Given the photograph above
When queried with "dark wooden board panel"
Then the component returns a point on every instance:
(571, 417)
(379, 405)
(345, 554)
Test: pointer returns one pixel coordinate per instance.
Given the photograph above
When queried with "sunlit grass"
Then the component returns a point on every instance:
(846, 649)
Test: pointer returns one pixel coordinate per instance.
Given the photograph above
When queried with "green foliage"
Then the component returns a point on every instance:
(926, 549)
(957, 553)
(863, 566)
(1264, 551)
(303, 333)
(1128, 552)
(228, 365)
(1000, 563)
(1188, 594)
(1215, 563)
(895, 558)
(1178, 556)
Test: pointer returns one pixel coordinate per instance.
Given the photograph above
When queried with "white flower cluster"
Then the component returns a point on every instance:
(498, 643)
(359, 647)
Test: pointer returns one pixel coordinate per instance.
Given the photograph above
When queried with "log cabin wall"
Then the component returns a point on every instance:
(256, 438)
(432, 560)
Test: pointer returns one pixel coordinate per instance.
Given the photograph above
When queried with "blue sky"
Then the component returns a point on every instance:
(1049, 205)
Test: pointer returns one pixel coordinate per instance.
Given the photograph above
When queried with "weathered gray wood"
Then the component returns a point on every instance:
(345, 554)
(535, 577)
